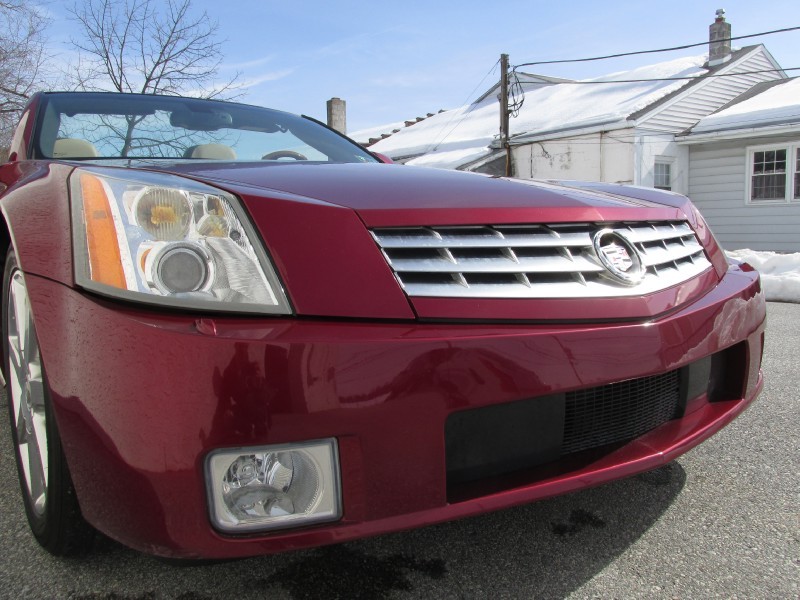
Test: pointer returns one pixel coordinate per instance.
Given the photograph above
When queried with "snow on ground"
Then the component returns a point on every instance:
(780, 273)
(777, 105)
(447, 138)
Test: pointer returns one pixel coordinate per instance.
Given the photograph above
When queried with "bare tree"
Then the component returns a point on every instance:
(148, 47)
(22, 57)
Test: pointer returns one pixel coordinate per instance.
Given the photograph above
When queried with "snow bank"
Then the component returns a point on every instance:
(780, 273)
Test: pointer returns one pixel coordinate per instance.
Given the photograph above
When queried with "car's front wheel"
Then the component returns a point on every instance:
(47, 490)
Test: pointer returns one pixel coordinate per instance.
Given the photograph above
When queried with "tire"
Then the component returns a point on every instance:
(47, 491)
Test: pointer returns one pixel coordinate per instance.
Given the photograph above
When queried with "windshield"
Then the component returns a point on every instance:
(102, 125)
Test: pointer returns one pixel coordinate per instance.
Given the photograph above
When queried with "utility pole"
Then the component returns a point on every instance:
(504, 133)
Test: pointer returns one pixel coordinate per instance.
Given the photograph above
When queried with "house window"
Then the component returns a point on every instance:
(769, 175)
(774, 175)
(797, 173)
(662, 176)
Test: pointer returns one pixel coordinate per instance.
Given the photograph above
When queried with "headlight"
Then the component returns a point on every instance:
(159, 238)
(273, 487)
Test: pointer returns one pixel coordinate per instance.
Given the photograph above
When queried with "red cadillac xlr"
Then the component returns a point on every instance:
(231, 331)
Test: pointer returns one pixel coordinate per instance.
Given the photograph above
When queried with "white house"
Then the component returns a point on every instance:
(632, 136)
(617, 128)
(744, 168)
(655, 126)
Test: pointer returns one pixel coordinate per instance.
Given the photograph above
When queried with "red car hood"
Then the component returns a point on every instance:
(385, 195)
(312, 217)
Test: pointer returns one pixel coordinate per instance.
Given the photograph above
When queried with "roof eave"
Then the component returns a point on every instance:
(530, 138)
(737, 134)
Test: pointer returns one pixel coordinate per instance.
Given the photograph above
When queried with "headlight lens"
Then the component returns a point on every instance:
(160, 238)
(273, 487)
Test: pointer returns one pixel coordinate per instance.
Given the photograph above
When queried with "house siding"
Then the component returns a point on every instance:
(593, 157)
(718, 186)
(710, 95)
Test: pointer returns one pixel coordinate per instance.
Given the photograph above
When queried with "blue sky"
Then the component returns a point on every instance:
(395, 60)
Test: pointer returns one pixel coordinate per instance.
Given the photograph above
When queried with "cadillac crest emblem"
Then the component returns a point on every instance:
(619, 257)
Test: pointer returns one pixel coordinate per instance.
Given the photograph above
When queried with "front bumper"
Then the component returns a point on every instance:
(141, 399)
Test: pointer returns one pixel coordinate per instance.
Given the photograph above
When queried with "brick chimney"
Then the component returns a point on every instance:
(719, 51)
(337, 115)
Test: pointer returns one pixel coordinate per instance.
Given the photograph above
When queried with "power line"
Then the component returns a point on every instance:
(436, 143)
(663, 138)
(686, 78)
(516, 94)
(466, 113)
(684, 47)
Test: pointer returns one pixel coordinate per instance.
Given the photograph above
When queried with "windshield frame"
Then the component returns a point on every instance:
(244, 118)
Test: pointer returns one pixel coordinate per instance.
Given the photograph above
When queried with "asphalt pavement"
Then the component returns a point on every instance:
(723, 521)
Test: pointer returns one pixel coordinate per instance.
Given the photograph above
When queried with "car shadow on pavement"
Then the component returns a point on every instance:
(548, 549)
(544, 550)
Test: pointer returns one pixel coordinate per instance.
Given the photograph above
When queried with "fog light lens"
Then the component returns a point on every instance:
(274, 487)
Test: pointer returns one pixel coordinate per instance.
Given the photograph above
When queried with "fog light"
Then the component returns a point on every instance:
(274, 487)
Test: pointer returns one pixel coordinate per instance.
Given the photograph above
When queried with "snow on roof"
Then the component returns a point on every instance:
(455, 137)
(778, 105)
(366, 137)
(363, 136)
(527, 81)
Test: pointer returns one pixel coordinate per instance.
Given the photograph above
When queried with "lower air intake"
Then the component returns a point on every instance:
(619, 411)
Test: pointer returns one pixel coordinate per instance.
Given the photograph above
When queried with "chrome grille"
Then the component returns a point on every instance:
(535, 261)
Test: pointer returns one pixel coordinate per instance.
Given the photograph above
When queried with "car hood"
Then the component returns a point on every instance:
(312, 219)
(397, 194)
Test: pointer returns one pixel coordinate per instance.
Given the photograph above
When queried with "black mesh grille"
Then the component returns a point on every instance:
(619, 411)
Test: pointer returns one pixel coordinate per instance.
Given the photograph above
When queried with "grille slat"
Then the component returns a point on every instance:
(535, 261)
(498, 264)
(660, 256)
(535, 239)
(639, 235)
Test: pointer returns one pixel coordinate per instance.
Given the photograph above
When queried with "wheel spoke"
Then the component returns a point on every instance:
(37, 477)
(14, 349)
(30, 347)
(40, 441)
(26, 465)
(21, 312)
(14, 352)
(36, 390)
(22, 428)
(18, 325)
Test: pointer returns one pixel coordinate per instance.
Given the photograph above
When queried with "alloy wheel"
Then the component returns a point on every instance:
(26, 392)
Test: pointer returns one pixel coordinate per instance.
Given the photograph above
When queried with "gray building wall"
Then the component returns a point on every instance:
(718, 178)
